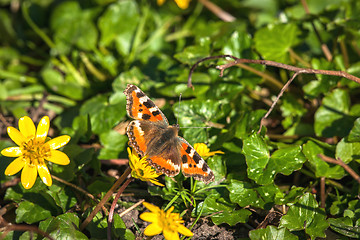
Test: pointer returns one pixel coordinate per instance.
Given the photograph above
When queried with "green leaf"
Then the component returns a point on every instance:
(287, 160)
(103, 114)
(243, 193)
(63, 197)
(345, 227)
(82, 127)
(119, 229)
(133, 76)
(354, 135)
(257, 156)
(307, 215)
(30, 212)
(113, 143)
(190, 55)
(98, 226)
(320, 167)
(246, 194)
(274, 41)
(237, 43)
(64, 226)
(217, 164)
(113, 29)
(272, 233)
(322, 84)
(73, 26)
(333, 116)
(348, 151)
(198, 113)
(248, 123)
(223, 211)
(67, 86)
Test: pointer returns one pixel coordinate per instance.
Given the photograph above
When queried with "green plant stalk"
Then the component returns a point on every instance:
(88, 64)
(138, 34)
(159, 32)
(209, 187)
(18, 77)
(172, 201)
(192, 185)
(51, 44)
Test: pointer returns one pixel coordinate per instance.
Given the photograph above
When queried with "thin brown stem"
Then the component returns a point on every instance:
(277, 99)
(3, 120)
(24, 228)
(299, 59)
(344, 53)
(132, 207)
(342, 164)
(220, 13)
(285, 66)
(324, 48)
(273, 82)
(112, 208)
(322, 192)
(105, 198)
(297, 71)
(203, 60)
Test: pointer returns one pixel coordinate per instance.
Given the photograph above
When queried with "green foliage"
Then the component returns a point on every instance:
(72, 60)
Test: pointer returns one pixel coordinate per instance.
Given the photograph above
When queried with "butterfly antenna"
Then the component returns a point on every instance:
(195, 127)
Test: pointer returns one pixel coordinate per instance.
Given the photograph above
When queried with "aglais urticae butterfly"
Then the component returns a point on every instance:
(151, 135)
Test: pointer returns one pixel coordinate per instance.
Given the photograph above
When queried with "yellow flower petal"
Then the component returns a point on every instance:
(184, 231)
(11, 152)
(43, 129)
(151, 207)
(149, 216)
(160, 2)
(170, 235)
(58, 158)
(209, 154)
(15, 166)
(44, 174)
(58, 142)
(152, 230)
(156, 182)
(27, 127)
(16, 136)
(204, 151)
(183, 4)
(28, 176)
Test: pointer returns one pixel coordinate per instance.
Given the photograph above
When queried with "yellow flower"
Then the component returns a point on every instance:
(169, 223)
(32, 151)
(141, 169)
(183, 4)
(204, 151)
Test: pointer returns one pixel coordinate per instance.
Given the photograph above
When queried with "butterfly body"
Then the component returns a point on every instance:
(151, 135)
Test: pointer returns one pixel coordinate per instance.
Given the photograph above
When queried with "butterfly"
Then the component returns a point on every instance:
(151, 135)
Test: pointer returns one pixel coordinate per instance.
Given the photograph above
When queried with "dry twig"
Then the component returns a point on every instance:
(342, 164)
(296, 70)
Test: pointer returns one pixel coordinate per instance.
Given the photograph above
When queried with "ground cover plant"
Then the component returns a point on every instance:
(269, 99)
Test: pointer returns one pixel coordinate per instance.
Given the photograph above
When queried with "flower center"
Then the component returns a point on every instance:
(34, 152)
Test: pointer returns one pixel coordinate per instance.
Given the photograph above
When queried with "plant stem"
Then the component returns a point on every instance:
(105, 198)
(112, 208)
(172, 201)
